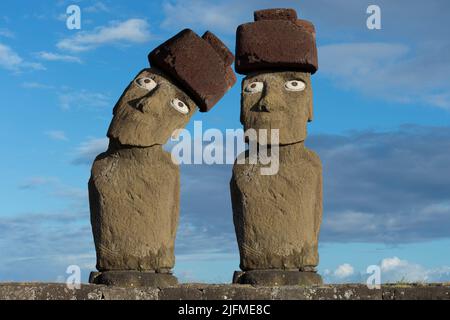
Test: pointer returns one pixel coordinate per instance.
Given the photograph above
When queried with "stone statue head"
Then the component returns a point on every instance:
(278, 100)
(277, 53)
(187, 71)
(150, 110)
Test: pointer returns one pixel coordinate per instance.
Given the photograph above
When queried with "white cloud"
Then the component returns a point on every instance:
(10, 60)
(386, 187)
(37, 181)
(441, 100)
(35, 85)
(358, 59)
(56, 189)
(6, 33)
(184, 13)
(390, 71)
(50, 242)
(98, 6)
(217, 16)
(69, 99)
(50, 56)
(126, 32)
(386, 226)
(344, 271)
(394, 270)
(88, 150)
(62, 17)
(389, 264)
(77, 194)
(346, 220)
(57, 135)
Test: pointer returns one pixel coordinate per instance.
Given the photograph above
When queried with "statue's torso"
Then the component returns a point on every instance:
(134, 196)
(277, 217)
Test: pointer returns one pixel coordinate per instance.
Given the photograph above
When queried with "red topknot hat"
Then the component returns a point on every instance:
(276, 40)
(200, 65)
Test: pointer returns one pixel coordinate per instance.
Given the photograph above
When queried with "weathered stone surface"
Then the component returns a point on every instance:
(416, 292)
(276, 14)
(134, 202)
(199, 65)
(277, 217)
(51, 291)
(329, 292)
(144, 115)
(219, 47)
(276, 40)
(47, 291)
(237, 292)
(277, 107)
(183, 292)
(134, 279)
(277, 278)
(134, 186)
(128, 293)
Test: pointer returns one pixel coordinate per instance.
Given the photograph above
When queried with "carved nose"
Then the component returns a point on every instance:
(142, 105)
(263, 107)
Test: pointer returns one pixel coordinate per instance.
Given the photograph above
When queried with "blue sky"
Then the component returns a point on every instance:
(382, 129)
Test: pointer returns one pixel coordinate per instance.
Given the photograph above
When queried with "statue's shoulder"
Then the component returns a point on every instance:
(312, 157)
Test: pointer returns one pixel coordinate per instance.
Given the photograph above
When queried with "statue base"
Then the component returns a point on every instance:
(131, 278)
(277, 278)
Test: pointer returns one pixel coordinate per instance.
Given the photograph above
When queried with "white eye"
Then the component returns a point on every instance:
(146, 83)
(180, 106)
(254, 87)
(295, 85)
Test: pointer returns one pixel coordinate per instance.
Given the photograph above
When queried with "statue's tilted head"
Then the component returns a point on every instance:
(187, 71)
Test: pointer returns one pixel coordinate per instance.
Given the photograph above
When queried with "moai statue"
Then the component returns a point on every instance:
(277, 217)
(134, 186)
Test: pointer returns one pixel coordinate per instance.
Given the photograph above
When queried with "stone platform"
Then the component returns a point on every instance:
(50, 291)
(268, 278)
(133, 279)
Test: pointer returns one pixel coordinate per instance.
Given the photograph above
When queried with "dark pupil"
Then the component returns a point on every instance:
(147, 80)
(180, 104)
(253, 85)
(294, 83)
